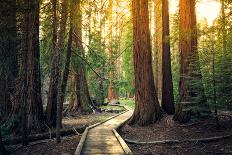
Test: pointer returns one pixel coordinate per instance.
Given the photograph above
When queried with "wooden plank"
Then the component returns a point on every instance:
(123, 143)
(101, 151)
(102, 140)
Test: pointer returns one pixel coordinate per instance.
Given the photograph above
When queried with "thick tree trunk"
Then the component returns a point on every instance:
(190, 94)
(28, 100)
(51, 110)
(147, 109)
(82, 97)
(8, 56)
(35, 108)
(167, 100)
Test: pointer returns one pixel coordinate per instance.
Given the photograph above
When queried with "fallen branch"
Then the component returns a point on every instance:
(203, 140)
(42, 136)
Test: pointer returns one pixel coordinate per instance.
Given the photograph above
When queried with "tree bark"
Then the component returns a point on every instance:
(35, 107)
(58, 47)
(167, 100)
(190, 94)
(83, 100)
(62, 87)
(51, 110)
(147, 108)
(8, 56)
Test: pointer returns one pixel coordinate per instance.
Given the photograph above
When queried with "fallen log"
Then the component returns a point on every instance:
(42, 136)
(203, 140)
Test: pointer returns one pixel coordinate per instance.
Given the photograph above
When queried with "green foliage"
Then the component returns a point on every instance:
(216, 63)
(127, 73)
(97, 58)
(127, 102)
(174, 42)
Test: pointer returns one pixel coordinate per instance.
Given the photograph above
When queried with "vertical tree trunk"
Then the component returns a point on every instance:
(28, 100)
(167, 100)
(8, 60)
(8, 56)
(190, 94)
(51, 110)
(147, 108)
(35, 108)
(62, 87)
(82, 92)
(58, 48)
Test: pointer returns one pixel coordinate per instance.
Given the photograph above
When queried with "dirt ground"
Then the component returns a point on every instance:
(68, 144)
(167, 129)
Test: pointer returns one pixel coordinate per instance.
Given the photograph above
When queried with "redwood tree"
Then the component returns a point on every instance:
(190, 95)
(58, 39)
(8, 56)
(167, 101)
(27, 97)
(80, 98)
(147, 108)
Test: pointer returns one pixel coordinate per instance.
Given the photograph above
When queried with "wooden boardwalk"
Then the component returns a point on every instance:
(102, 140)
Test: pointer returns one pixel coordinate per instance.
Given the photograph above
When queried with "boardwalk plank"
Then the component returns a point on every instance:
(101, 140)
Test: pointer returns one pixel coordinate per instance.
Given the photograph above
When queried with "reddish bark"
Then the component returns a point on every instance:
(147, 108)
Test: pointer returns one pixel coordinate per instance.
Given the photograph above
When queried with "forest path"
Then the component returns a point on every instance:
(102, 138)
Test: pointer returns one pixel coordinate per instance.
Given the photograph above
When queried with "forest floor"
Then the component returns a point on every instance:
(167, 129)
(68, 144)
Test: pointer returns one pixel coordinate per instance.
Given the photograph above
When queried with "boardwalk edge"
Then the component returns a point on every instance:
(122, 143)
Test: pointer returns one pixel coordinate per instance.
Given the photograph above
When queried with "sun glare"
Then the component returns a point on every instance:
(208, 9)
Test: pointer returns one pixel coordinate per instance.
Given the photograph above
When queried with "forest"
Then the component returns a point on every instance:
(115, 77)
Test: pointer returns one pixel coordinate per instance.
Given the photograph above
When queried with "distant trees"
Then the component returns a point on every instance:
(147, 109)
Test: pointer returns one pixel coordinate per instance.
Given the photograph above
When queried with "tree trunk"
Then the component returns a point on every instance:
(167, 100)
(83, 100)
(8, 56)
(51, 110)
(57, 48)
(28, 100)
(190, 93)
(35, 107)
(147, 108)
(62, 87)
